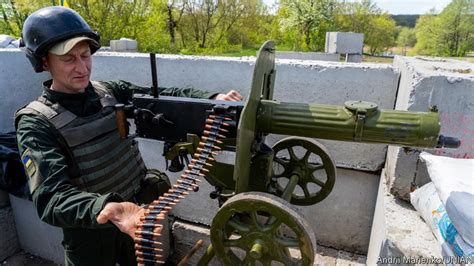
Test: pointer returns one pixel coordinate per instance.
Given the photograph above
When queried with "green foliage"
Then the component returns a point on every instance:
(240, 26)
(379, 29)
(13, 14)
(356, 17)
(426, 31)
(151, 35)
(305, 22)
(381, 33)
(408, 21)
(113, 19)
(451, 33)
(406, 37)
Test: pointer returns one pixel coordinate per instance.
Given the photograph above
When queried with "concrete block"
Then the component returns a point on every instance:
(343, 220)
(398, 232)
(185, 236)
(124, 44)
(36, 236)
(19, 85)
(8, 238)
(307, 56)
(344, 43)
(426, 82)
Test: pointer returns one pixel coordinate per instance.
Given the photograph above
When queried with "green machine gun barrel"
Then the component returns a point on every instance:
(356, 121)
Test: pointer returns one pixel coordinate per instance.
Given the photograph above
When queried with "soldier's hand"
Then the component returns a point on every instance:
(232, 95)
(125, 215)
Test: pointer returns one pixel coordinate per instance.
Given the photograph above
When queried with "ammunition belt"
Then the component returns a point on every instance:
(147, 248)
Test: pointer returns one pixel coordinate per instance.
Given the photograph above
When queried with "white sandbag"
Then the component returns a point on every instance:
(426, 201)
(454, 182)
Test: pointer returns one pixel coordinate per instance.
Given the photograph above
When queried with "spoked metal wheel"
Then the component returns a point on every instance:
(310, 161)
(256, 228)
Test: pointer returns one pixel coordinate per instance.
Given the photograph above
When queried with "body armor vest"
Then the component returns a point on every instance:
(105, 163)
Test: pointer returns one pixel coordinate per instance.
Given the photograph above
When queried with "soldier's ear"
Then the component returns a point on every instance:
(45, 64)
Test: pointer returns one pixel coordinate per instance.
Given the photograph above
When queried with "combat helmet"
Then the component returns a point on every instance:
(48, 26)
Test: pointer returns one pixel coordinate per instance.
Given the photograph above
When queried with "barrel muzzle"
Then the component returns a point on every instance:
(448, 142)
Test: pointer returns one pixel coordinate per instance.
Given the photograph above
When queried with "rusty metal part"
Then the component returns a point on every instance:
(196, 247)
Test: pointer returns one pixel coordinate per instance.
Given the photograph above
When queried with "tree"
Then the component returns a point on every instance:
(250, 31)
(153, 32)
(113, 19)
(174, 11)
(309, 19)
(365, 17)
(381, 33)
(356, 17)
(457, 33)
(206, 23)
(448, 34)
(426, 31)
(406, 38)
(13, 14)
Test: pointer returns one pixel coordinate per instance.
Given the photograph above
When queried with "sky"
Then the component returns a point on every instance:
(398, 7)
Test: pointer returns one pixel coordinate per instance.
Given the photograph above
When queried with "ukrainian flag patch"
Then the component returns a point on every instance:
(28, 163)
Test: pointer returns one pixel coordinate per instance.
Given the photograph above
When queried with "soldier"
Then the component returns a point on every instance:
(82, 176)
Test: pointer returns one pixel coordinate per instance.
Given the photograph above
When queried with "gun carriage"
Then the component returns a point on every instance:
(256, 223)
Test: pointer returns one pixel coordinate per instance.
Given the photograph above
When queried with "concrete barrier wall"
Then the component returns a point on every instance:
(296, 81)
(447, 84)
(19, 84)
(343, 220)
(34, 235)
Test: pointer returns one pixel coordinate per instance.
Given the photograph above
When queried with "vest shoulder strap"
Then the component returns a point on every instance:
(105, 94)
(55, 114)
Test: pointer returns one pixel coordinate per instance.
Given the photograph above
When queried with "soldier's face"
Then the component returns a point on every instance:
(71, 72)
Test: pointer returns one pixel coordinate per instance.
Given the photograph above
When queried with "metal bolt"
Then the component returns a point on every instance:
(256, 251)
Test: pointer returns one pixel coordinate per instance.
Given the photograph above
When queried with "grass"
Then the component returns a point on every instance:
(376, 59)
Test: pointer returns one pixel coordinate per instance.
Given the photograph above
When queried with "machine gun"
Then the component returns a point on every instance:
(255, 221)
